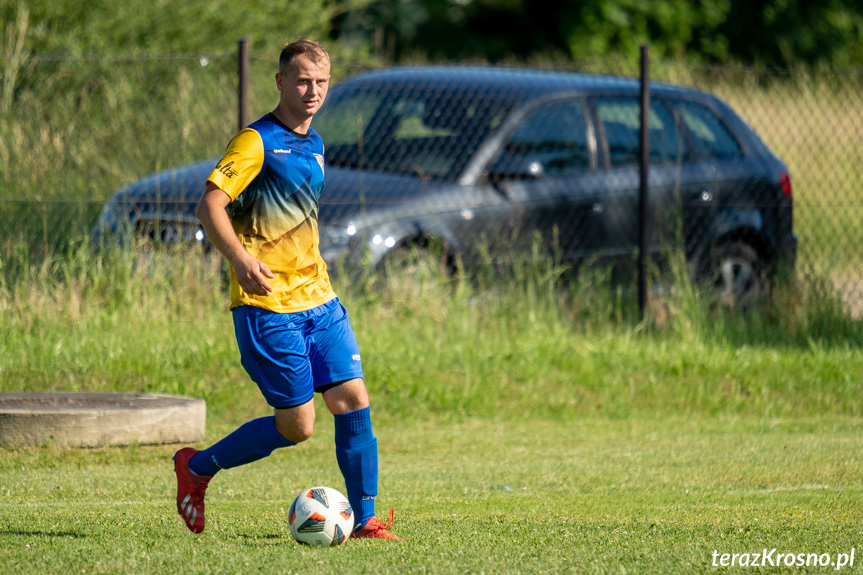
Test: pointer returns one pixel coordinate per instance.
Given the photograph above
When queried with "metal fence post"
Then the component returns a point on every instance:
(643, 211)
(243, 70)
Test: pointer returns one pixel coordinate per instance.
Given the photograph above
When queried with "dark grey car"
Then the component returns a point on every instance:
(504, 164)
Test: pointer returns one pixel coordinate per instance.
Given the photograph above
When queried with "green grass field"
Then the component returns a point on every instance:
(580, 495)
(522, 429)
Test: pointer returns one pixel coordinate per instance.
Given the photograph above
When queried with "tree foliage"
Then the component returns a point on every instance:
(777, 33)
(786, 33)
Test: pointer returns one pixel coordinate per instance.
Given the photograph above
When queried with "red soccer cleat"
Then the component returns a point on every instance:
(190, 490)
(375, 528)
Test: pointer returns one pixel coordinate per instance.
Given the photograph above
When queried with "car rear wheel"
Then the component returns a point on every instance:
(736, 276)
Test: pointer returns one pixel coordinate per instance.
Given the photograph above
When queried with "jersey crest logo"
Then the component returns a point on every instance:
(320, 160)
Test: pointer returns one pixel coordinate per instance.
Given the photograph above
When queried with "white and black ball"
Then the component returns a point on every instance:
(321, 516)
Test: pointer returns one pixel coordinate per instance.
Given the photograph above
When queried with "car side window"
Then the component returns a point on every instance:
(346, 119)
(423, 130)
(709, 132)
(621, 124)
(555, 135)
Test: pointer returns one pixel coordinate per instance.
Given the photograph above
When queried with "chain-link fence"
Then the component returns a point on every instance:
(479, 159)
(72, 131)
(814, 123)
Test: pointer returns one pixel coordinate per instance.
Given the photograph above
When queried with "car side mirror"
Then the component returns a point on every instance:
(509, 167)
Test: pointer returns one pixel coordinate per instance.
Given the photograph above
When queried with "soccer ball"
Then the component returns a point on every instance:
(321, 516)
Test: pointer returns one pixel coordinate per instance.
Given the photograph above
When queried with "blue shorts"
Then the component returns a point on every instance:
(292, 355)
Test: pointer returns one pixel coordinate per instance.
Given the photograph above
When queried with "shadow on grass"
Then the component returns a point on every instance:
(268, 539)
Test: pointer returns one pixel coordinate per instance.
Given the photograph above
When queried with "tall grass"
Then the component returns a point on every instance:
(442, 347)
(108, 321)
(78, 129)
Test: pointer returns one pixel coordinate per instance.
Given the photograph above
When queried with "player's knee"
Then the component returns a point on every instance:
(302, 435)
(296, 433)
(295, 425)
(348, 396)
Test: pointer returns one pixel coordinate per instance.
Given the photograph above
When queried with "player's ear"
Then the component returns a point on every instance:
(279, 81)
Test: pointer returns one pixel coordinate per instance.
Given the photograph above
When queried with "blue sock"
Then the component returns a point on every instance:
(357, 454)
(251, 441)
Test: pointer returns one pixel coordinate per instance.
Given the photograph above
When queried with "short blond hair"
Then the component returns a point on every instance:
(314, 51)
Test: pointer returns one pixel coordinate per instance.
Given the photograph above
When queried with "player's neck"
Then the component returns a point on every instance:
(300, 127)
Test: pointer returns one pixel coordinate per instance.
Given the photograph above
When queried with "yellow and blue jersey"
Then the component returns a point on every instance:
(274, 178)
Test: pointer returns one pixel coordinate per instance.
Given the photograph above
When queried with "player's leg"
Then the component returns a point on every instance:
(296, 424)
(250, 442)
(357, 455)
(338, 375)
(356, 445)
(346, 396)
(274, 353)
(276, 360)
(257, 439)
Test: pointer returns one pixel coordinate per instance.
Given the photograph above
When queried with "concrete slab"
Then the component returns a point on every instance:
(95, 419)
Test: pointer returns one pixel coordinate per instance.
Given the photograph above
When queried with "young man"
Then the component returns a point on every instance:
(260, 209)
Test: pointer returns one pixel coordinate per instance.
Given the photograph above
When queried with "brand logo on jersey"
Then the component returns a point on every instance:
(227, 169)
(320, 160)
(281, 151)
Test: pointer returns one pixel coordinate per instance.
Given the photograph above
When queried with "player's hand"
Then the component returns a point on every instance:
(252, 276)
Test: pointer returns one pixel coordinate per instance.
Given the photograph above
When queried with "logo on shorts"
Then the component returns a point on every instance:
(355, 357)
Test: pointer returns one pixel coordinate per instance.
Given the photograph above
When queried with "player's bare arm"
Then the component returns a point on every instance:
(251, 273)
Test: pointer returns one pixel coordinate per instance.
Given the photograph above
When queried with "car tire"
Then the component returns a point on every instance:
(735, 276)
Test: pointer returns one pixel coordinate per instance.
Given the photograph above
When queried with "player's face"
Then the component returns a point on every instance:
(304, 88)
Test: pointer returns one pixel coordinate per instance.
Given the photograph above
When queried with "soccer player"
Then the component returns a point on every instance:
(260, 210)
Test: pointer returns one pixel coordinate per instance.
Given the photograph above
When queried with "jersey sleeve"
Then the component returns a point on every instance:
(241, 163)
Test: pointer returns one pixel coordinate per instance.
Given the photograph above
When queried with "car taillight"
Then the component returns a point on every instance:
(785, 182)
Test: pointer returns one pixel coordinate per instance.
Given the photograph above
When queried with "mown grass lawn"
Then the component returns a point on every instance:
(599, 495)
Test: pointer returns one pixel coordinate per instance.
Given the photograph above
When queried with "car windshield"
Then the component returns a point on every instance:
(424, 130)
